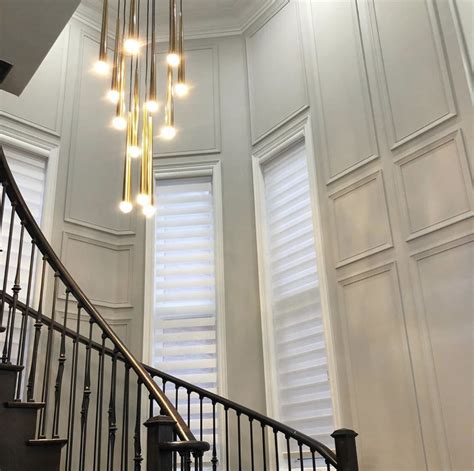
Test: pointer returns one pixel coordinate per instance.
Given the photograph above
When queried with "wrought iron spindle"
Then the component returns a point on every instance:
(86, 400)
(137, 437)
(7, 349)
(264, 447)
(201, 398)
(72, 392)
(239, 441)
(99, 407)
(300, 447)
(30, 389)
(198, 460)
(214, 459)
(7, 261)
(252, 458)
(226, 414)
(2, 208)
(277, 455)
(60, 374)
(313, 457)
(47, 366)
(126, 400)
(112, 415)
(288, 451)
(25, 323)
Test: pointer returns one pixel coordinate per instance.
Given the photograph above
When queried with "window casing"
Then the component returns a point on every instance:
(300, 389)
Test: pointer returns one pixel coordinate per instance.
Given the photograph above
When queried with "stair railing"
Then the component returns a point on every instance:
(240, 438)
(31, 271)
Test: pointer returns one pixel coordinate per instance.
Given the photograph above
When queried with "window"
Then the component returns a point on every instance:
(302, 393)
(30, 175)
(186, 307)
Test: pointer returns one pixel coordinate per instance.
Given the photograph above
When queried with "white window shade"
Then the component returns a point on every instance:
(302, 386)
(185, 313)
(30, 174)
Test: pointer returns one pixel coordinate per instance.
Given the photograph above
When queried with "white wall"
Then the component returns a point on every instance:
(388, 85)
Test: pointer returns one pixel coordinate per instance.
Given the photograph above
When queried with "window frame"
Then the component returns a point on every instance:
(165, 171)
(284, 140)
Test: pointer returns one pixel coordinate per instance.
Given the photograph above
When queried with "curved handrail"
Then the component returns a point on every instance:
(47, 251)
(306, 440)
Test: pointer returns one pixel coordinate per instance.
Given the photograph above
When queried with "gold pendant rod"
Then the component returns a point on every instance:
(103, 32)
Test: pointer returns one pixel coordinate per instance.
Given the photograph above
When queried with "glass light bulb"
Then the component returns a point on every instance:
(101, 67)
(173, 59)
(152, 106)
(134, 151)
(125, 206)
(119, 122)
(143, 199)
(181, 89)
(131, 46)
(113, 96)
(149, 210)
(168, 132)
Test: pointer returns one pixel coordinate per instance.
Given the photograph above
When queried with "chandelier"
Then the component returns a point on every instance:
(134, 56)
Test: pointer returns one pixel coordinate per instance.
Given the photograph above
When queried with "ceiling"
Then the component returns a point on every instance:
(202, 17)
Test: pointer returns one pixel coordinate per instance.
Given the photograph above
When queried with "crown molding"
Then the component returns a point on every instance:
(90, 14)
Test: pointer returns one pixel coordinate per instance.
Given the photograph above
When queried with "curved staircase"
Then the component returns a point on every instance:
(73, 397)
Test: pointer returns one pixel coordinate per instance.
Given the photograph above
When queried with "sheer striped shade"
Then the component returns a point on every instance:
(185, 299)
(303, 391)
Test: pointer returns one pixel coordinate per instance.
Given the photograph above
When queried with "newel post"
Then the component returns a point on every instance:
(346, 450)
(160, 430)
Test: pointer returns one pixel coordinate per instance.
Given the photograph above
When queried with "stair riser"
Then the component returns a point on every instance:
(7, 385)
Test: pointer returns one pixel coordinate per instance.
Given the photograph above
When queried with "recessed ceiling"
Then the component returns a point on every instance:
(203, 17)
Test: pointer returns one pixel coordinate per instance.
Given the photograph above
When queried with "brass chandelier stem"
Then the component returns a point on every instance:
(152, 86)
(181, 67)
(169, 118)
(132, 21)
(115, 71)
(103, 32)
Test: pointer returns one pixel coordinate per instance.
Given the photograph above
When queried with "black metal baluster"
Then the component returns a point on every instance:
(264, 447)
(86, 400)
(2, 207)
(200, 417)
(214, 459)
(189, 407)
(314, 460)
(227, 464)
(176, 405)
(252, 459)
(277, 455)
(72, 392)
(150, 397)
(99, 407)
(126, 401)
(7, 261)
(239, 441)
(47, 366)
(162, 412)
(198, 460)
(24, 321)
(137, 438)
(328, 466)
(30, 389)
(112, 415)
(300, 446)
(288, 451)
(60, 374)
(7, 351)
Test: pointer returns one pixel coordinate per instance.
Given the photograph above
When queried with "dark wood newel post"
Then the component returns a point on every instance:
(346, 450)
(160, 429)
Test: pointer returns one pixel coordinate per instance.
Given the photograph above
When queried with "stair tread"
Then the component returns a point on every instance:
(10, 367)
(24, 405)
(47, 442)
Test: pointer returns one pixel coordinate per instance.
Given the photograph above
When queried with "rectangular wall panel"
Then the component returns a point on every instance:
(197, 116)
(447, 284)
(347, 108)
(412, 67)
(276, 73)
(97, 152)
(381, 378)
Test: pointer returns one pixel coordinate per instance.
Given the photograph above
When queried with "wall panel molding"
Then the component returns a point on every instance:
(94, 160)
(433, 186)
(360, 218)
(406, 80)
(105, 273)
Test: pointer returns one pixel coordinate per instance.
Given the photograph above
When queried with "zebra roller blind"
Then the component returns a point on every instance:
(300, 365)
(185, 314)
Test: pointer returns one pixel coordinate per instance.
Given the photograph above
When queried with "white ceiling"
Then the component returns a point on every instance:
(202, 17)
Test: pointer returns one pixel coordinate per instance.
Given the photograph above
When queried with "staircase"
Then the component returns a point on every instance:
(73, 397)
